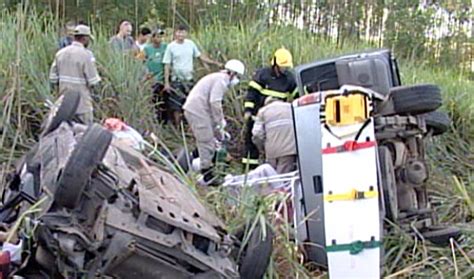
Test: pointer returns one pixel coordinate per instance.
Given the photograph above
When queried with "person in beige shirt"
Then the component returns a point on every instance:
(203, 111)
(273, 132)
(74, 69)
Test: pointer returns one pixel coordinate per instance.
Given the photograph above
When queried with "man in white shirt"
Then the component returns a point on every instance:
(179, 70)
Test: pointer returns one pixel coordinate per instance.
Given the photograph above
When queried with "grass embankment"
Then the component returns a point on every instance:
(28, 44)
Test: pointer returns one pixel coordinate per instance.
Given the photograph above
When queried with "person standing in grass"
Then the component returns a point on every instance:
(275, 81)
(204, 113)
(143, 38)
(179, 70)
(154, 53)
(68, 38)
(74, 70)
(123, 40)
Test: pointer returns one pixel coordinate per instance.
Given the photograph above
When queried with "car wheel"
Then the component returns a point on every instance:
(437, 122)
(85, 158)
(440, 235)
(415, 99)
(257, 254)
(68, 104)
(389, 184)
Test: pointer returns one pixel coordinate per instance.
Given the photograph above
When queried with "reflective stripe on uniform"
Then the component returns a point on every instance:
(268, 92)
(250, 161)
(70, 79)
(255, 85)
(294, 93)
(249, 104)
(94, 80)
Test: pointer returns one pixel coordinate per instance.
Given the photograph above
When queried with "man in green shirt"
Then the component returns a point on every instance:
(154, 53)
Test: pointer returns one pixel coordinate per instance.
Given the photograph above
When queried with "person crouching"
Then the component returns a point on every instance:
(203, 111)
(273, 132)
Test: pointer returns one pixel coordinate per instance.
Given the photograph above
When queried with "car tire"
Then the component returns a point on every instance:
(415, 99)
(182, 159)
(85, 158)
(257, 254)
(389, 184)
(437, 122)
(66, 111)
(440, 235)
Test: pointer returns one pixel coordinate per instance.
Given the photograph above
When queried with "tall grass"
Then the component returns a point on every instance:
(27, 46)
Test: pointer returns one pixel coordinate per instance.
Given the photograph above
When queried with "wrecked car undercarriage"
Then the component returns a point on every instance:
(90, 206)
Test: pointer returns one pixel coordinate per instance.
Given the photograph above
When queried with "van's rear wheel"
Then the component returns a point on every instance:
(415, 99)
(437, 122)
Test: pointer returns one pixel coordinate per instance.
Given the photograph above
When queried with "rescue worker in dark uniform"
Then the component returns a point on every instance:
(276, 82)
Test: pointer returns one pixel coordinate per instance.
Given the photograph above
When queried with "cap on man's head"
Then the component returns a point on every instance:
(83, 30)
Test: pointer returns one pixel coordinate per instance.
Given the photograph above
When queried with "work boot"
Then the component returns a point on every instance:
(208, 178)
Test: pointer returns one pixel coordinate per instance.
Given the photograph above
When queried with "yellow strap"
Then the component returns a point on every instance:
(249, 104)
(352, 195)
(268, 92)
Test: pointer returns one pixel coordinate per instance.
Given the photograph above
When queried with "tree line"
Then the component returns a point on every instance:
(438, 32)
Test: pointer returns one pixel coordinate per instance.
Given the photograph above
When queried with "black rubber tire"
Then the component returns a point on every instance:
(416, 99)
(387, 175)
(85, 158)
(257, 254)
(437, 122)
(66, 111)
(440, 235)
(182, 160)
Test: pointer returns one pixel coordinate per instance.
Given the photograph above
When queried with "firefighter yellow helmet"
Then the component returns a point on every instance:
(282, 58)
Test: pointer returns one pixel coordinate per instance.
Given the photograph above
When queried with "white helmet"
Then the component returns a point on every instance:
(235, 65)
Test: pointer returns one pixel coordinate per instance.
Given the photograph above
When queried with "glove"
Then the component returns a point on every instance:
(247, 115)
(222, 135)
(223, 124)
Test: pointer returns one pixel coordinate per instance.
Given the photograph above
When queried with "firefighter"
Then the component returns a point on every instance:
(74, 69)
(203, 111)
(275, 81)
(273, 133)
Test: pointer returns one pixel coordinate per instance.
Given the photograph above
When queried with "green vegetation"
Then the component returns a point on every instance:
(27, 45)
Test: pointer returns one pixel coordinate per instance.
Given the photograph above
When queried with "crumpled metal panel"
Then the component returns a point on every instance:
(115, 162)
(126, 222)
(177, 212)
(54, 151)
(175, 241)
(164, 185)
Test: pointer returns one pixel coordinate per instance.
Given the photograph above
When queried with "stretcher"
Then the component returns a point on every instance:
(352, 220)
